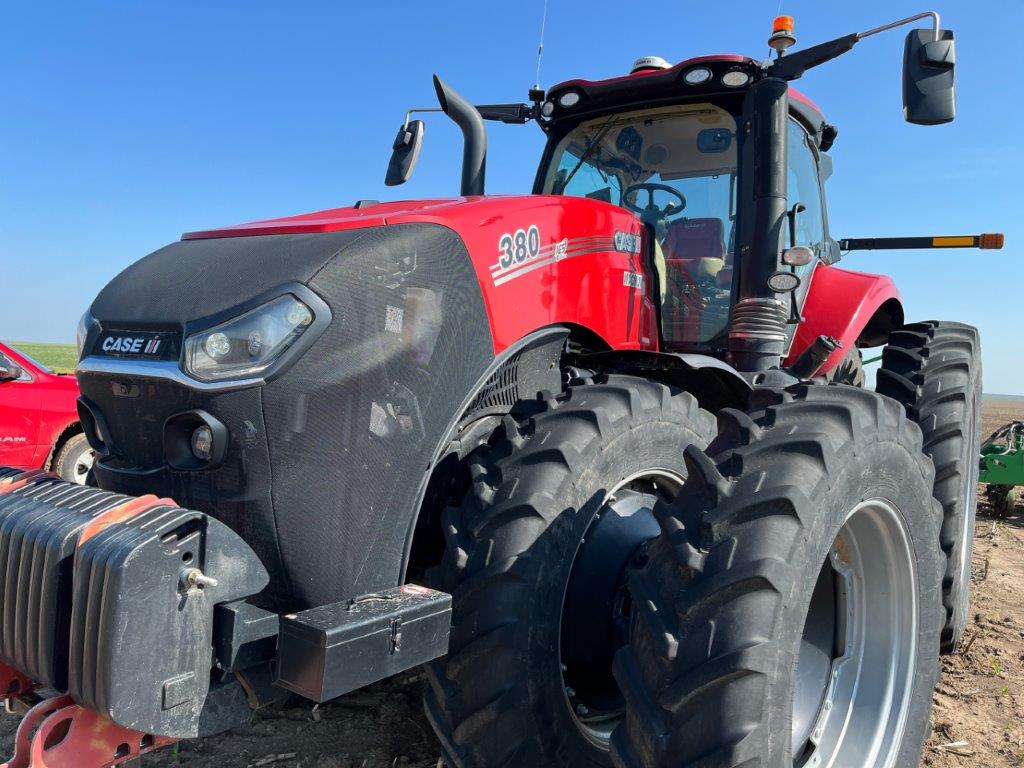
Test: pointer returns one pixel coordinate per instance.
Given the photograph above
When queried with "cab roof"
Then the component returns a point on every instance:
(668, 84)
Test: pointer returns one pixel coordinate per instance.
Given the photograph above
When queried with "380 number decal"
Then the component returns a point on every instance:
(522, 245)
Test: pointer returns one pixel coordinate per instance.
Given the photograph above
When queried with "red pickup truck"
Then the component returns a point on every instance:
(39, 425)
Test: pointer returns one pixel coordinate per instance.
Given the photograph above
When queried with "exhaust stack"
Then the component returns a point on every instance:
(474, 151)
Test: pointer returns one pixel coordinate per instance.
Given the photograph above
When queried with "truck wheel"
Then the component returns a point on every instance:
(789, 614)
(74, 460)
(934, 369)
(536, 560)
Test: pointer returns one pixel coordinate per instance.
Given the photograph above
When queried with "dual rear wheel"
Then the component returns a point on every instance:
(773, 600)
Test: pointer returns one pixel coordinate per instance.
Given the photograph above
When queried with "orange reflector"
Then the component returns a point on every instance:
(953, 242)
(782, 24)
(992, 240)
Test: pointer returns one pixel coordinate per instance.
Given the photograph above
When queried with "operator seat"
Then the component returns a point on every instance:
(694, 253)
(692, 240)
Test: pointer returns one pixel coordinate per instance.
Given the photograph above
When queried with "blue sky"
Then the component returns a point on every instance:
(124, 124)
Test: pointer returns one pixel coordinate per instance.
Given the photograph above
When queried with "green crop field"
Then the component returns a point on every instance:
(58, 357)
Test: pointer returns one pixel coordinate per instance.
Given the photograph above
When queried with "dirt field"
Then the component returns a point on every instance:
(978, 716)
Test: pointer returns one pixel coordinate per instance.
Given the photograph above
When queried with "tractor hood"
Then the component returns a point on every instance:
(324, 452)
(365, 213)
(209, 272)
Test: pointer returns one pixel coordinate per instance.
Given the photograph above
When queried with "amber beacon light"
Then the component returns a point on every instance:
(782, 34)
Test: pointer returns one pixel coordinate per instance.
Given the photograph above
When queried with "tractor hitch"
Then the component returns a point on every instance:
(13, 683)
(58, 733)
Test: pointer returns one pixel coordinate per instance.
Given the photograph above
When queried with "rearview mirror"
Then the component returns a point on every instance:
(929, 96)
(9, 371)
(406, 153)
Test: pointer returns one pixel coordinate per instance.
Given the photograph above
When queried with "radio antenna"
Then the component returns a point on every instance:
(540, 47)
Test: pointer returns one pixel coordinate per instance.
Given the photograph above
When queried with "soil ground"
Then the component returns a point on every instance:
(978, 716)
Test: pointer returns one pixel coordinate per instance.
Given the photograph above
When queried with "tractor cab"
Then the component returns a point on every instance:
(722, 162)
(665, 143)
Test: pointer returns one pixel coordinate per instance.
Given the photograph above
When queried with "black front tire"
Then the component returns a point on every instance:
(710, 671)
(499, 697)
(934, 369)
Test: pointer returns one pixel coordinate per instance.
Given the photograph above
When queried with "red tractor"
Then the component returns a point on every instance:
(616, 427)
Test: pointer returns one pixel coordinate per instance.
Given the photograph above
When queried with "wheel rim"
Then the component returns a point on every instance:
(969, 493)
(850, 701)
(80, 471)
(596, 597)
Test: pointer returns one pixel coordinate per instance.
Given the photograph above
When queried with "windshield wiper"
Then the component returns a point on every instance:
(589, 151)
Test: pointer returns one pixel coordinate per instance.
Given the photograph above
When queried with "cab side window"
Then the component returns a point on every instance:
(802, 181)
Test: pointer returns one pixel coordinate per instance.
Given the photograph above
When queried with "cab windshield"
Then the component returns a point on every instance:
(676, 168)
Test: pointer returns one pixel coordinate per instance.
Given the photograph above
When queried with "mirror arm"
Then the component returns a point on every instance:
(795, 64)
(793, 212)
(901, 22)
(417, 110)
(512, 114)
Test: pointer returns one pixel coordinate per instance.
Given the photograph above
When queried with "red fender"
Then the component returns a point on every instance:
(840, 303)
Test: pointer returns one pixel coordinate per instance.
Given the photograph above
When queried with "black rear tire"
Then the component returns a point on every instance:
(850, 369)
(934, 369)
(500, 698)
(721, 606)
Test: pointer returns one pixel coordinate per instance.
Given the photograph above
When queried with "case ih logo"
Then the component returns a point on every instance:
(133, 345)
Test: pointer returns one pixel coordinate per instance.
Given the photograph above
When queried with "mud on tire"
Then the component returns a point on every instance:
(498, 698)
(721, 607)
(934, 369)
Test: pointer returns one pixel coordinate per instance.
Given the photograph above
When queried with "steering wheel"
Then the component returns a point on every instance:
(652, 212)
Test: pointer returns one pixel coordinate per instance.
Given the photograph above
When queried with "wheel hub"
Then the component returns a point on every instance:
(596, 609)
(855, 668)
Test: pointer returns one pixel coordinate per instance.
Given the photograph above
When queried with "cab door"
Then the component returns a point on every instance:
(19, 416)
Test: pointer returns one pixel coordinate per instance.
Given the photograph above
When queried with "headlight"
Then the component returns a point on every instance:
(82, 332)
(249, 344)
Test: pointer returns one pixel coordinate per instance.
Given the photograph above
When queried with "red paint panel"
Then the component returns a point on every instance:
(584, 282)
(839, 303)
(578, 276)
(329, 220)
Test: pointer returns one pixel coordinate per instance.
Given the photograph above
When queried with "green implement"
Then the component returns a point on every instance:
(1002, 466)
